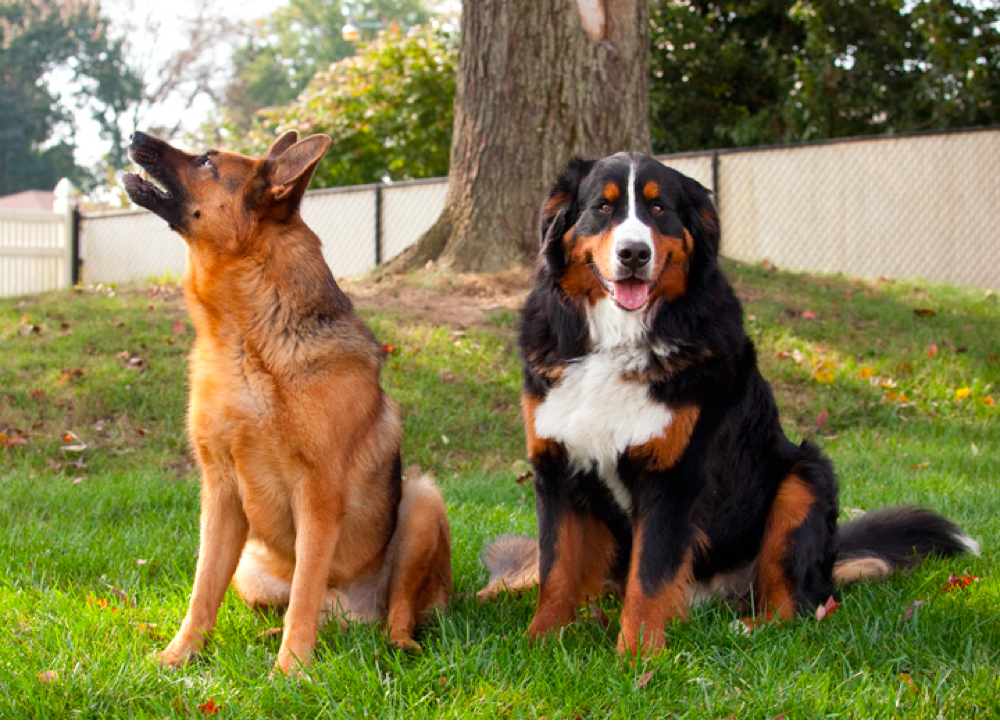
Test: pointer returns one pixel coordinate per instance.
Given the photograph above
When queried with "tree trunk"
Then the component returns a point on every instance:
(539, 81)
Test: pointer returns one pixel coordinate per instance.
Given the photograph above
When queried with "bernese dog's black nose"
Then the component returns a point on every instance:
(633, 254)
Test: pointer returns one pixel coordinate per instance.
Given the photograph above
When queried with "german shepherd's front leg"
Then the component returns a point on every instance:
(223, 535)
(317, 529)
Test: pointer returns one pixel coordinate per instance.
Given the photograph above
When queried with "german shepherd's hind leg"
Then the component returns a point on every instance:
(223, 534)
(794, 566)
(419, 561)
(263, 579)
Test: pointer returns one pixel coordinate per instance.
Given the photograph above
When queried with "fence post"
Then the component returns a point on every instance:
(68, 251)
(75, 261)
(378, 225)
(715, 179)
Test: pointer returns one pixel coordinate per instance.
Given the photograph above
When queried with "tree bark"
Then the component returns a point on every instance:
(539, 81)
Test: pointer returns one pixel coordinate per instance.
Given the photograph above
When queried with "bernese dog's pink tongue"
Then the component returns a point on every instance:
(631, 294)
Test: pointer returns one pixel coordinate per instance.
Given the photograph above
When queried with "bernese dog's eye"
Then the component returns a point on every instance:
(604, 207)
(656, 209)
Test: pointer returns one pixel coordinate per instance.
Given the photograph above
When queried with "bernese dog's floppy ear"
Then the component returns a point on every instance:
(561, 209)
(700, 217)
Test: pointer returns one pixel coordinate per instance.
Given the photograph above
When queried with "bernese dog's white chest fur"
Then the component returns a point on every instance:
(593, 411)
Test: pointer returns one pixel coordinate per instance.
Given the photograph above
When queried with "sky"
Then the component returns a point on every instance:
(171, 16)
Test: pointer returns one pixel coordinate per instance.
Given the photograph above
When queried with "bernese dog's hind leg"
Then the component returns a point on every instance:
(794, 567)
(574, 566)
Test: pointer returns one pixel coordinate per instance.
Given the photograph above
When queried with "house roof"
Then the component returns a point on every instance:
(29, 200)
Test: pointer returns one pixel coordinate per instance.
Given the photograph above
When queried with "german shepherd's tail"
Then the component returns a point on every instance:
(873, 546)
(878, 544)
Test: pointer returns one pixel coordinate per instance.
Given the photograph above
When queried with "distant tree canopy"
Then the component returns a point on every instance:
(36, 130)
(388, 110)
(747, 72)
(723, 73)
(297, 41)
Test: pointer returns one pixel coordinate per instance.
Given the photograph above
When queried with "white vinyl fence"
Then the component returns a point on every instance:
(36, 251)
(359, 226)
(916, 206)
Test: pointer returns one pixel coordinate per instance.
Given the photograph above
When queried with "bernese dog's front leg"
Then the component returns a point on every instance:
(576, 548)
(661, 566)
(574, 557)
(660, 578)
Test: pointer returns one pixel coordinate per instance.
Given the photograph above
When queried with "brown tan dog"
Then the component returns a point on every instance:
(302, 504)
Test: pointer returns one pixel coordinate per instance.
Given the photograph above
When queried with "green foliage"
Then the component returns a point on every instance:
(37, 41)
(747, 72)
(298, 40)
(388, 110)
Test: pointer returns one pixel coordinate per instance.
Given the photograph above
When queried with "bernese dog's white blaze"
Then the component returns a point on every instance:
(597, 415)
(631, 292)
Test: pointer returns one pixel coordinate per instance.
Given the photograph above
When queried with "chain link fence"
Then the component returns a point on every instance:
(919, 206)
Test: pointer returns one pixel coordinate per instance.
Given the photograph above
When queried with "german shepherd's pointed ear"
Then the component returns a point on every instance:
(282, 144)
(700, 217)
(561, 210)
(291, 171)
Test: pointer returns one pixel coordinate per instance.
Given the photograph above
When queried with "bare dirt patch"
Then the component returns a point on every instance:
(459, 300)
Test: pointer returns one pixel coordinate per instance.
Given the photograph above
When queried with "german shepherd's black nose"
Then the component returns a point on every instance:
(633, 254)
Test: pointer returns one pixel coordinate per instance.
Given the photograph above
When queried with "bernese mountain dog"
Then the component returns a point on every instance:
(660, 463)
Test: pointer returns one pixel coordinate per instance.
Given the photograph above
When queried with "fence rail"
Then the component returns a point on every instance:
(916, 206)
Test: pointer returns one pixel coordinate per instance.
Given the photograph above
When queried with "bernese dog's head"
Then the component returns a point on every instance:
(629, 230)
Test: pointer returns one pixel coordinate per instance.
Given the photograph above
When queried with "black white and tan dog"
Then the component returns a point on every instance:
(660, 463)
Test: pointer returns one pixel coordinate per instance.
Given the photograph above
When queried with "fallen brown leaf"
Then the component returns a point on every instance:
(827, 608)
(911, 610)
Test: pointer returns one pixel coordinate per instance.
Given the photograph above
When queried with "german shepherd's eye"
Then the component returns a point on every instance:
(604, 207)
(203, 160)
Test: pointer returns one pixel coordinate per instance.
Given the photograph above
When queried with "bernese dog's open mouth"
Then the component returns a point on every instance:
(629, 293)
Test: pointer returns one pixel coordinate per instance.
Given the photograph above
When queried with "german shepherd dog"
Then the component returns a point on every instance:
(660, 463)
(303, 503)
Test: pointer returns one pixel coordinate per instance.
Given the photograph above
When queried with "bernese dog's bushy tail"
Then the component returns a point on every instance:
(879, 543)
(513, 564)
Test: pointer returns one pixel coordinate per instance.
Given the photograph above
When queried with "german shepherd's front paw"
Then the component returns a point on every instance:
(404, 642)
(293, 661)
(179, 652)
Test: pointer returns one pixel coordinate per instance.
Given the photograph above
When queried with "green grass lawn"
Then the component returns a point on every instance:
(99, 506)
